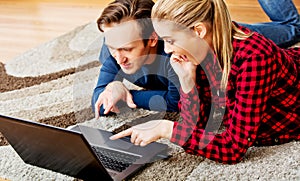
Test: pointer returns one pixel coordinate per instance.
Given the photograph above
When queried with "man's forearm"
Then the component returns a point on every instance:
(155, 100)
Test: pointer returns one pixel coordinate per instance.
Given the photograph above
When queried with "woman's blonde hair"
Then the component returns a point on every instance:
(214, 14)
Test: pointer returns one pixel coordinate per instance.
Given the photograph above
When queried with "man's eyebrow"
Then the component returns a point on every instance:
(109, 46)
(114, 48)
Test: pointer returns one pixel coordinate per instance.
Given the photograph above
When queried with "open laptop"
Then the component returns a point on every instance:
(82, 152)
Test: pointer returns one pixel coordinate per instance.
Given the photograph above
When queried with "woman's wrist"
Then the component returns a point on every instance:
(167, 129)
(187, 84)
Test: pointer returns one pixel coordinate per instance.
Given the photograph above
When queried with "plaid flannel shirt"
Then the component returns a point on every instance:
(262, 102)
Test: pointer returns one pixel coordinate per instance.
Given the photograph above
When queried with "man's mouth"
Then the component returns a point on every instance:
(126, 66)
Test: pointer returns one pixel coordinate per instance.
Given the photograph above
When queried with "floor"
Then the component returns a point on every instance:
(25, 24)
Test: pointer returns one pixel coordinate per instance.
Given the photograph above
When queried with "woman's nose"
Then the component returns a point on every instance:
(168, 49)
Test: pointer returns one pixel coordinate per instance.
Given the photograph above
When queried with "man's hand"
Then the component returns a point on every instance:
(113, 93)
(148, 132)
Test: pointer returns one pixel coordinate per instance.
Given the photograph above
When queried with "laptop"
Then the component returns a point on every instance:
(81, 152)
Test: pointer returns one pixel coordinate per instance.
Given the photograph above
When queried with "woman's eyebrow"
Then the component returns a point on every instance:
(164, 37)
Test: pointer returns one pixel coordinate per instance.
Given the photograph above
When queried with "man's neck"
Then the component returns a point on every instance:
(152, 55)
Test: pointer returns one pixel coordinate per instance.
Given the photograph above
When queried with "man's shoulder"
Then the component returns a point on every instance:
(104, 54)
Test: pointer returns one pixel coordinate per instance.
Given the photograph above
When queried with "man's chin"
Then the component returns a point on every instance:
(128, 71)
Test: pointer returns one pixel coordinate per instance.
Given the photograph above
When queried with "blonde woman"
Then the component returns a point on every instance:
(260, 81)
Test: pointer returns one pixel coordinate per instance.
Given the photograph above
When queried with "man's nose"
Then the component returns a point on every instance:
(119, 57)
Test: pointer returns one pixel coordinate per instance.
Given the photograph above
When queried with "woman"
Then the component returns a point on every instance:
(260, 81)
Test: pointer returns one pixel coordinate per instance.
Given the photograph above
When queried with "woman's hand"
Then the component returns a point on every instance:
(185, 70)
(148, 132)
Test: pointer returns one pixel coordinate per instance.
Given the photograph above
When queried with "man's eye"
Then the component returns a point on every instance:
(125, 49)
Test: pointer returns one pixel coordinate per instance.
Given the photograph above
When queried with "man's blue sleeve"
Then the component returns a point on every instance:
(160, 100)
(155, 100)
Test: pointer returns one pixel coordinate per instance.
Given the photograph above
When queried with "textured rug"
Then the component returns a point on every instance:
(53, 84)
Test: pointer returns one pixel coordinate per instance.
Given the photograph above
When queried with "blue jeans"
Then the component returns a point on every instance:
(284, 29)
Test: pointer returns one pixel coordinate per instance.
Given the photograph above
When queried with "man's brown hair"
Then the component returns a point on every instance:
(139, 10)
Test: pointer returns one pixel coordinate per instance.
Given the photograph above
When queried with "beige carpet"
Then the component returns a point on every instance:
(53, 84)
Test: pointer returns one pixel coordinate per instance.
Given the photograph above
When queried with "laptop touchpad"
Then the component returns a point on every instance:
(119, 143)
(101, 138)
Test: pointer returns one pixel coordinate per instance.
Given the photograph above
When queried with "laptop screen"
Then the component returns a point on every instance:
(53, 148)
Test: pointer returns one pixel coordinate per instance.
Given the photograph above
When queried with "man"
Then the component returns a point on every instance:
(133, 51)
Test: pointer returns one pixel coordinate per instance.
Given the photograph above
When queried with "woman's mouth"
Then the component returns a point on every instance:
(180, 58)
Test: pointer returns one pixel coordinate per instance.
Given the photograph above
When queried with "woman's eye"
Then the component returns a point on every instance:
(171, 42)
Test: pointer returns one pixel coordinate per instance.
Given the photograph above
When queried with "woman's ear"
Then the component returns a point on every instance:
(200, 30)
(153, 39)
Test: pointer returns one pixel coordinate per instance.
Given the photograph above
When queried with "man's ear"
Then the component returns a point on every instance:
(153, 39)
(200, 30)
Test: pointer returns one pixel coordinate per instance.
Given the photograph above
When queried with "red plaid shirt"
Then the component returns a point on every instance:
(262, 102)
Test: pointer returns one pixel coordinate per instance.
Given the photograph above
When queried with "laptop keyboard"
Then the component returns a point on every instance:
(114, 160)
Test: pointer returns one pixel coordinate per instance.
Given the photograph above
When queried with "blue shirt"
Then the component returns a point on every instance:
(160, 82)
